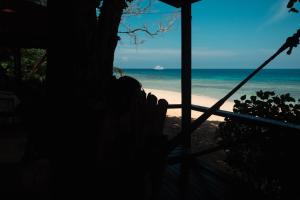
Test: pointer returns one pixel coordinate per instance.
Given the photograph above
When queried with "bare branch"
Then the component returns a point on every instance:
(139, 29)
(138, 7)
(163, 26)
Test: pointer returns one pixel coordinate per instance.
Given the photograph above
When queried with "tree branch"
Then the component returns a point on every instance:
(139, 29)
(137, 7)
(162, 28)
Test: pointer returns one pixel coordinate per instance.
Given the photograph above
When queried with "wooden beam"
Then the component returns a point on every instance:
(186, 91)
(23, 40)
(17, 65)
(174, 3)
(186, 58)
(242, 117)
(177, 3)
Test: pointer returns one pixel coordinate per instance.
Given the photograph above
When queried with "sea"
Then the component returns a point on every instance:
(216, 83)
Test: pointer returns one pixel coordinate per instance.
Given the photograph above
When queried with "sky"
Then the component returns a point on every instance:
(225, 34)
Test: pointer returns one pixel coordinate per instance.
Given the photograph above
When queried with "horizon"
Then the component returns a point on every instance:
(225, 34)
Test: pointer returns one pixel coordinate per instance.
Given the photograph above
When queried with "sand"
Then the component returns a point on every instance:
(175, 98)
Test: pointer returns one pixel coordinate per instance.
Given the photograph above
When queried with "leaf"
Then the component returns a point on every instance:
(297, 106)
(247, 101)
(259, 93)
(243, 97)
(253, 98)
(265, 95)
(237, 102)
(291, 3)
(270, 100)
(294, 10)
(276, 100)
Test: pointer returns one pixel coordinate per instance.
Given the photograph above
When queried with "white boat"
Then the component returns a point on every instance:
(158, 67)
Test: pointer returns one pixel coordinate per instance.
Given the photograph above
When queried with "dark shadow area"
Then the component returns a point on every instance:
(70, 129)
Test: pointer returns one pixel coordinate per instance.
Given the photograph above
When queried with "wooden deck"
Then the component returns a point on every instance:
(204, 182)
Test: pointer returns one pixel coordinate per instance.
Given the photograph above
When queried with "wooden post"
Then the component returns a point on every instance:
(17, 63)
(186, 58)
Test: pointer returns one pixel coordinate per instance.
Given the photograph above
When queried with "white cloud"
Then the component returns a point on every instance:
(146, 51)
(277, 13)
(124, 58)
(214, 53)
(167, 52)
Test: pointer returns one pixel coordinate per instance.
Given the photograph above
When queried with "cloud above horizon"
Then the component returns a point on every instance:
(276, 13)
(162, 52)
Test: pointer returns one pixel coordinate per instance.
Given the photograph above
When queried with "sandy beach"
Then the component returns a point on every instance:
(203, 137)
(175, 98)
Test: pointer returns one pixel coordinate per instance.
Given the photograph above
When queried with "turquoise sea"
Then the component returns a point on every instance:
(217, 82)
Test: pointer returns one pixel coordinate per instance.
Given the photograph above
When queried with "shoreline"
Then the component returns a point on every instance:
(175, 98)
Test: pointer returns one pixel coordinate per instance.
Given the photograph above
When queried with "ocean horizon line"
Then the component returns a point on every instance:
(217, 82)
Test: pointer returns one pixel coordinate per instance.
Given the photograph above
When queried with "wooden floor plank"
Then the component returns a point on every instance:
(205, 183)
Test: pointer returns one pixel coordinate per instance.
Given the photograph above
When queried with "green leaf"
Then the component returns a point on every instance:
(247, 101)
(294, 10)
(297, 106)
(253, 98)
(243, 97)
(259, 93)
(237, 102)
(270, 100)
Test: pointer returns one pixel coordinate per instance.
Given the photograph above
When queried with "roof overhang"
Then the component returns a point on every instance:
(23, 24)
(178, 3)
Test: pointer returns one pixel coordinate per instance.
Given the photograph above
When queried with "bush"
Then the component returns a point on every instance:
(265, 157)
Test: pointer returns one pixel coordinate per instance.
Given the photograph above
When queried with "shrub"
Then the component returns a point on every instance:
(264, 156)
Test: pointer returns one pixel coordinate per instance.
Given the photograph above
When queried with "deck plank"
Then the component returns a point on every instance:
(205, 183)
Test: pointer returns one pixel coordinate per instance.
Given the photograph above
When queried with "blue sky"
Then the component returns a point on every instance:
(225, 34)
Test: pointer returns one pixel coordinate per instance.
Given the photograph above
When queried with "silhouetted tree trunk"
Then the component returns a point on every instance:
(106, 40)
(80, 63)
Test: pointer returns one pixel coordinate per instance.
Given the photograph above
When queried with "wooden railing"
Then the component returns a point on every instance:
(223, 113)
(242, 117)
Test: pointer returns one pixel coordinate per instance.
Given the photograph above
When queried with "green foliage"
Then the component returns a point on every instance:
(30, 59)
(268, 105)
(264, 156)
(291, 5)
(6, 62)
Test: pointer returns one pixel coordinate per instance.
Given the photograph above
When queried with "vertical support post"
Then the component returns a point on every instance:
(17, 65)
(186, 62)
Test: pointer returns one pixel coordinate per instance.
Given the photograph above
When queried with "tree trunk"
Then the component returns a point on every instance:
(107, 38)
(80, 63)
(68, 123)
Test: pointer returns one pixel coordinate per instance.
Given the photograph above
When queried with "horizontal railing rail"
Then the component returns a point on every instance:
(242, 117)
(232, 115)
